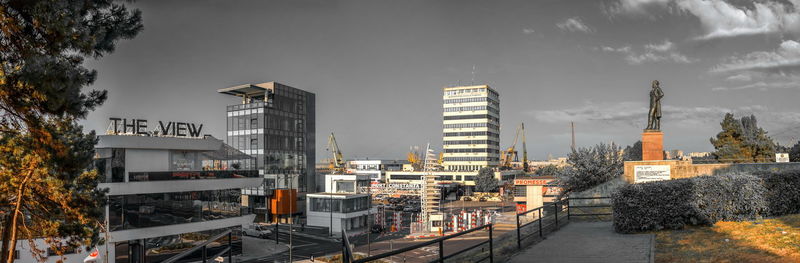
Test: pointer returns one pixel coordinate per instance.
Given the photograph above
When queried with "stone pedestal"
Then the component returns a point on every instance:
(652, 145)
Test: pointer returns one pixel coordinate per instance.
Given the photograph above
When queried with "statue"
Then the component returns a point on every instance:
(654, 115)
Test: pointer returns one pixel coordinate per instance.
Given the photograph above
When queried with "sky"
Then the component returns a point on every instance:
(378, 67)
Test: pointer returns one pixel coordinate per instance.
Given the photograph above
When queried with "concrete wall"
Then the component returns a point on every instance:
(686, 169)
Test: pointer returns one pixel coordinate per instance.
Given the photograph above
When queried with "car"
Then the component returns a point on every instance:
(256, 230)
(377, 229)
(409, 209)
(466, 198)
(482, 199)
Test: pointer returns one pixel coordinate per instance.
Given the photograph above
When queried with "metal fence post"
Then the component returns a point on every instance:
(569, 207)
(555, 207)
(441, 251)
(204, 254)
(230, 246)
(540, 221)
(491, 250)
(519, 242)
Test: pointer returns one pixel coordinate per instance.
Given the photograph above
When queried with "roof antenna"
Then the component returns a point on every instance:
(473, 75)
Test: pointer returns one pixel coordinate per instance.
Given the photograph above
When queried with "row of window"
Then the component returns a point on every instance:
(470, 125)
(149, 210)
(472, 108)
(471, 150)
(477, 133)
(474, 116)
(477, 99)
(489, 142)
(349, 205)
(470, 159)
(473, 90)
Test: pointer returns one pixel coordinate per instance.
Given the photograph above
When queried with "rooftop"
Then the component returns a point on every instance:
(249, 89)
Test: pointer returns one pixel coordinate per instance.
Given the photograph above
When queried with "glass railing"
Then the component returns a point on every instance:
(190, 175)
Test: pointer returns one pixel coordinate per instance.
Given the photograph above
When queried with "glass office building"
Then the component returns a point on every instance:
(168, 194)
(274, 123)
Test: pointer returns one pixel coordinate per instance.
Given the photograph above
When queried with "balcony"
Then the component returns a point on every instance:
(190, 175)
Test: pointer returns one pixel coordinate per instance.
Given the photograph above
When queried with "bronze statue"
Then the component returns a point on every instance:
(654, 116)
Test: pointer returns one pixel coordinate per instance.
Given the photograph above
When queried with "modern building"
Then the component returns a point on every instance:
(471, 120)
(275, 123)
(376, 169)
(168, 194)
(344, 204)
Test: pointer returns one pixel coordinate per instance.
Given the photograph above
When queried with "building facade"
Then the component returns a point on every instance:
(165, 195)
(471, 128)
(376, 169)
(275, 123)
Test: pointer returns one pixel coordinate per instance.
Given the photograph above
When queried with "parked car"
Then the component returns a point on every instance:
(483, 199)
(377, 229)
(256, 230)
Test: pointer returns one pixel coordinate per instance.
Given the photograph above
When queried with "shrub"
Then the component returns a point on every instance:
(701, 200)
(784, 192)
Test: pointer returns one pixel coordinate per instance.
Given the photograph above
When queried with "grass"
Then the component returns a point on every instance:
(767, 240)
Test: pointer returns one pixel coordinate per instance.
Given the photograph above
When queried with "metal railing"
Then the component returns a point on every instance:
(543, 214)
(347, 253)
(546, 216)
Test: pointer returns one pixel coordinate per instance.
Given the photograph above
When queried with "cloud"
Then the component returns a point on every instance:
(650, 53)
(721, 18)
(740, 77)
(574, 24)
(783, 60)
(528, 31)
(763, 85)
(634, 114)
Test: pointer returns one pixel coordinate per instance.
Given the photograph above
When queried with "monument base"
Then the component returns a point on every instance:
(652, 145)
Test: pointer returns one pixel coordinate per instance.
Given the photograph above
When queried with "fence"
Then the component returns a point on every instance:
(542, 218)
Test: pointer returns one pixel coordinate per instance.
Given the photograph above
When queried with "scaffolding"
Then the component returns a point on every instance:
(429, 199)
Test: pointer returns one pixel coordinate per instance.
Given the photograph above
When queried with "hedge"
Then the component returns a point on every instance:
(704, 200)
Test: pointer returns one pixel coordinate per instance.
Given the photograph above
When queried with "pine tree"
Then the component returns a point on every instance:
(742, 141)
(47, 188)
(485, 181)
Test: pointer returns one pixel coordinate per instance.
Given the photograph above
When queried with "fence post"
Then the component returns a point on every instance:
(491, 250)
(555, 207)
(441, 251)
(519, 242)
(540, 221)
(204, 254)
(569, 207)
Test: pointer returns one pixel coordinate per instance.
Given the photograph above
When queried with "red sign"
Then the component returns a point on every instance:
(522, 208)
(532, 181)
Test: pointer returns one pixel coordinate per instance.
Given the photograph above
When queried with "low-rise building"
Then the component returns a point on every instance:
(376, 169)
(165, 195)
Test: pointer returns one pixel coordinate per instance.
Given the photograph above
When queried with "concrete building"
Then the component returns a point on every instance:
(344, 204)
(471, 120)
(167, 194)
(376, 169)
(275, 123)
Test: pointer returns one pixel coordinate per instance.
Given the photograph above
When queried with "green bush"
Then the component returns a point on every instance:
(700, 200)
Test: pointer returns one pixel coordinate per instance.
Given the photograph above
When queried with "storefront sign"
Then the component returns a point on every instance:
(781, 157)
(533, 181)
(139, 127)
(650, 173)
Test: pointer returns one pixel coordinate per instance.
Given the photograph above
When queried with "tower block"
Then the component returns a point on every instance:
(652, 145)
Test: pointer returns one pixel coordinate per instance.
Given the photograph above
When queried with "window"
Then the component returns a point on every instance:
(253, 144)
(253, 123)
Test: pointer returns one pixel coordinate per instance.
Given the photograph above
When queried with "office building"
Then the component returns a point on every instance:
(376, 169)
(471, 128)
(166, 195)
(275, 124)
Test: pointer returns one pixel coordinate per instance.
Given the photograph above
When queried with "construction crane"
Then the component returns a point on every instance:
(510, 154)
(414, 159)
(337, 162)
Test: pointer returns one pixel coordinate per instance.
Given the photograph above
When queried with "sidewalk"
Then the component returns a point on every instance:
(253, 248)
(590, 242)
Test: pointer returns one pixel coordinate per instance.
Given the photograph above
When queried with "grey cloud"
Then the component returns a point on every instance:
(721, 18)
(784, 60)
(528, 31)
(574, 24)
(658, 52)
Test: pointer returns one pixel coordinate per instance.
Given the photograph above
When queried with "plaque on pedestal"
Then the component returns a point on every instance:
(652, 145)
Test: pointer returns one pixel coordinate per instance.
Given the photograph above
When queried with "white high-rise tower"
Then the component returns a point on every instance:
(471, 138)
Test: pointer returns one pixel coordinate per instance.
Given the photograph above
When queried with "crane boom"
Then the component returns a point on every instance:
(524, 150)
(337, 163)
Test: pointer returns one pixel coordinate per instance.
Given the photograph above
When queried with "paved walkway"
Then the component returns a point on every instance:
(589, 242)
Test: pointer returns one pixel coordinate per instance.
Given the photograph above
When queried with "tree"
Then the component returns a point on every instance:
(742, 141)
(47, 188)
(485, 181)
(633, 152)
(589, 167)
(547, 170)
